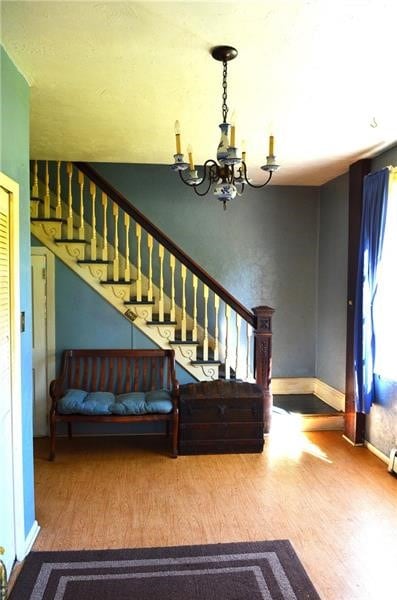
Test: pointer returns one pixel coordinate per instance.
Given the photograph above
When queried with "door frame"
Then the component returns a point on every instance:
(50, 305)
(12, 189)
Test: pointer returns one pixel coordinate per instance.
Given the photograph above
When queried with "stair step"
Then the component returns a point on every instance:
(199, 361)
(184, 342)
(48, 220)
(142, 301)
(69, 241)
(118, 282)
(94, 262)
(165, 322)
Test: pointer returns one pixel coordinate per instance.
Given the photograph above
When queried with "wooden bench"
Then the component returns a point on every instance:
(145, 378)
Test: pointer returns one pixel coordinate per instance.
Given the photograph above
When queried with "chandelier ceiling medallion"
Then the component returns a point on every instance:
(228, 176)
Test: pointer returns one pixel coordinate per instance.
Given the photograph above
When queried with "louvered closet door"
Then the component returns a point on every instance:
(7, 526)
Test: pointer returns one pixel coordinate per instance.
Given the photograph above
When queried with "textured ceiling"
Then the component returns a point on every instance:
(108, 79)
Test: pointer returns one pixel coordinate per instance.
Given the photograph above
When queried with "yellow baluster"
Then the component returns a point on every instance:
(69, 220)
(35, 186)
(127, 269)
(194, 330)
(172, 267)
(205, 340)
(47, 207)
(150, 270)
(161, 298)
(216, 332)
(93, 223)
(58, 209)
(81, 184)
(116, 261)
(138, 233)
(105, 227)
(183, 320)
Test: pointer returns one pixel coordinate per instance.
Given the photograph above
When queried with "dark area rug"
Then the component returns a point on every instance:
(267, 570)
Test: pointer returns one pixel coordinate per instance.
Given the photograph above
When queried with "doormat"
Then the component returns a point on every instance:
(268, 570)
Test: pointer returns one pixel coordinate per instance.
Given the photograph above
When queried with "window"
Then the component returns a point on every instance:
(385, 302)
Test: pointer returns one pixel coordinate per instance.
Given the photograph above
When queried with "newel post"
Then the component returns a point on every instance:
(263, 356)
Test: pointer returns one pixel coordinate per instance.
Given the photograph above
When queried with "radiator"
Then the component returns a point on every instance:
(392, 468)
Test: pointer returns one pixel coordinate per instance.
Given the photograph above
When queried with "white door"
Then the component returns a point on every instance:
(7, 517)
(39, 344)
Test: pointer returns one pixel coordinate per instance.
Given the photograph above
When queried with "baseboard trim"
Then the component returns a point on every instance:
(377, 452)
(30, 539)
(349, 441)
(293, 385)
(310, 385)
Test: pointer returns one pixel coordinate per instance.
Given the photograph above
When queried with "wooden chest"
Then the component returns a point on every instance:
(221, 417)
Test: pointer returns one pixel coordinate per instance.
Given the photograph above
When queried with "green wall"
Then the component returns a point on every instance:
(14, 162)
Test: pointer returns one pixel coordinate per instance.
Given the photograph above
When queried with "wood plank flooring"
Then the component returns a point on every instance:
(336, 503)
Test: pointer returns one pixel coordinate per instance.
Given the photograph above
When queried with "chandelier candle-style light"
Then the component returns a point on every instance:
(228, 176)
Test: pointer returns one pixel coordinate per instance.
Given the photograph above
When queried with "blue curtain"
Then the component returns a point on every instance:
(370, 251)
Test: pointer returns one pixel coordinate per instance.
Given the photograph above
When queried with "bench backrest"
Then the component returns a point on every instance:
(118, 371)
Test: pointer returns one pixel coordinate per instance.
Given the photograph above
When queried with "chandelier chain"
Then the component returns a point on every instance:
(225, 108)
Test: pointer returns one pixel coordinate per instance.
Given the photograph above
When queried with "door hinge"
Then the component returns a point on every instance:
(43, 273)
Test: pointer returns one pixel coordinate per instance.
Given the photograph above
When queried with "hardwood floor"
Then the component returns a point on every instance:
(336, 503)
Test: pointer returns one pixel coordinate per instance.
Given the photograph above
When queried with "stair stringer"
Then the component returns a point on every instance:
(161, 334)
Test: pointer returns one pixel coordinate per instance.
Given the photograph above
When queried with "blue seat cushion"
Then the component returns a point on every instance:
(132, 403)
(97, 403)
(158, 401)
(105, 403)
(71, 402)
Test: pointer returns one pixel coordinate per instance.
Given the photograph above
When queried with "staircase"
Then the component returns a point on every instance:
(135, 267)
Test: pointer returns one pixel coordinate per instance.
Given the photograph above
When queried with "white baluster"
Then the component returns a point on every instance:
(216, 332)
(194, 330)
(150, 268)
(205, 340)
(161, 298)
(238, 333)
(172, 268)
(93, 223)
(58, 209)
(138, 233)
(183, 320)
(69, 220)
(127, 268)
(81, 184)
(105, 227)
(116, 260)
(47, 208)
(249, 342)
(228, 313)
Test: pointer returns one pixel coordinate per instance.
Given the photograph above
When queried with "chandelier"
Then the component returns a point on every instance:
(228, 176)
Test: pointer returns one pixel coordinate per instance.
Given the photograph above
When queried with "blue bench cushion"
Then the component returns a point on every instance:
(106, 403)
(132, 403)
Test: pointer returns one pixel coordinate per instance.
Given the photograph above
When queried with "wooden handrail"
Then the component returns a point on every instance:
(165, 241)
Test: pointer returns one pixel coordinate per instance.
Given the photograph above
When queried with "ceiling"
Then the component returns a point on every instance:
(109, 79)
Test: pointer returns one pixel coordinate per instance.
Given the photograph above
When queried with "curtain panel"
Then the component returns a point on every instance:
(373, 221)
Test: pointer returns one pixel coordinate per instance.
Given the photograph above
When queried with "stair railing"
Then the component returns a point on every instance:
(118, 233)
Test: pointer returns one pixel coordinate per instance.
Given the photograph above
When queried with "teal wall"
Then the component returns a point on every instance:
(14, 162)
(332, 282)
(263, 248)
